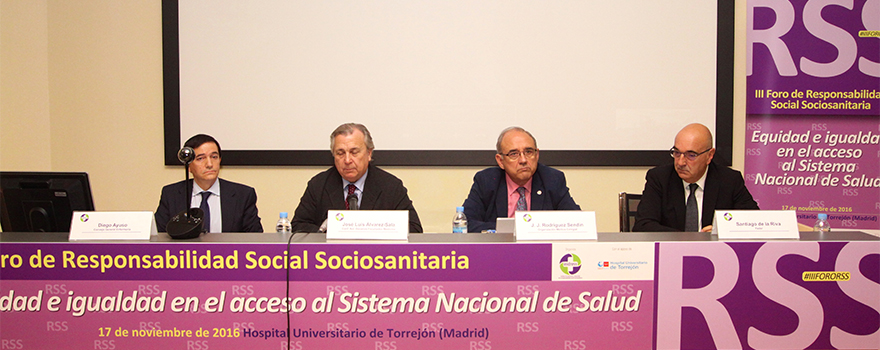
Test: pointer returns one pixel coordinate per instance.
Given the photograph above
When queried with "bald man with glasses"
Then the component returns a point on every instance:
(518, 183)
(683, 196)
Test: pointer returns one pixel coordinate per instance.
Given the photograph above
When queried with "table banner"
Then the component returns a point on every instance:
(382, 296)
(815, 295)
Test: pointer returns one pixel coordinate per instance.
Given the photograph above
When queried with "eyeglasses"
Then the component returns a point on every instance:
(528, 152)
(691, 155)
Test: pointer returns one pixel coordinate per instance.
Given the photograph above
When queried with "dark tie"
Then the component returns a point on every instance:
(351, 200)
(205, 208)
(521, 202)
(692, 216)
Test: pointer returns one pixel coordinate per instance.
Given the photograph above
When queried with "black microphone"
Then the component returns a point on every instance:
(186, 154)
(189, 222)
(352, 202)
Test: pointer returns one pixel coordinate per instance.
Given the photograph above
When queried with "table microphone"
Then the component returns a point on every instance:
(352, 202)
(188, 223)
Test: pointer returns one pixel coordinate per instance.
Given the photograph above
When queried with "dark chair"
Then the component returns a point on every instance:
(628, 203)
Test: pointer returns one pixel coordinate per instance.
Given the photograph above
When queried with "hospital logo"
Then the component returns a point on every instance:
(570, 264)
(603, 265)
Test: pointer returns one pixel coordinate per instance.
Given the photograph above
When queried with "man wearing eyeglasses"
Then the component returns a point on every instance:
(518, 183)
(352, 184)
(683, 196)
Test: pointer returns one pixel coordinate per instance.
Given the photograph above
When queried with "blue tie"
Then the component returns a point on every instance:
(205, 208)
(521, 202)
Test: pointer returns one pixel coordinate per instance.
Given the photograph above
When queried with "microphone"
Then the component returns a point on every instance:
(188, 223)
(186, 155)
(352, 202)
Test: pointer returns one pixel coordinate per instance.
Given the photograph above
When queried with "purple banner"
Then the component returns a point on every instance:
(503, 297)
(816, 164)
(775, 295)
(707, 294)
(813, 109)
(268, 262)
(813, 57)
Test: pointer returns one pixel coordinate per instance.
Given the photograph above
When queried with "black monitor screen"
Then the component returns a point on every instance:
(42, 201)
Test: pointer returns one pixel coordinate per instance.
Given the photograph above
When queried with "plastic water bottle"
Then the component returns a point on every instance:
(283, 225)
(459, 221)
(822, 223)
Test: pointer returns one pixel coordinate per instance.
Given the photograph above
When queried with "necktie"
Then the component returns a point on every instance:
(692, 215)
(205, 208)
(521, 202)
(351, 202)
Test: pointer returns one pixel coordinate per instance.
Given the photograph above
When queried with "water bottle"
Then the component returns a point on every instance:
(822, 223)
(459, 221)
(283, 225)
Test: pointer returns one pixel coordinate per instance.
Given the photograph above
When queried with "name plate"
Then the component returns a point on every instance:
(755, 224)
(555, 225)
(112, 225)
(368, 224)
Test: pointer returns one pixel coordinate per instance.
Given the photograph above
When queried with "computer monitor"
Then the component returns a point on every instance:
(42, 201)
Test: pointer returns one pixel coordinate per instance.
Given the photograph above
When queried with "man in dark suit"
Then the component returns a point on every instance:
(518, 183)
(692, 181)
(351, 184)
(229, 206)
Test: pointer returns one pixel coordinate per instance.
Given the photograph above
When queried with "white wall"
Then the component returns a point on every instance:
(81, 90)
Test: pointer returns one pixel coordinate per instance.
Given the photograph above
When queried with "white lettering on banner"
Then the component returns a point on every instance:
(804, 304)
(672, 297)
(859, 288)
(846, 45)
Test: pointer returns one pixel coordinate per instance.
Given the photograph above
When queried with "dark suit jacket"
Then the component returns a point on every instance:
(238, 205)
(382, 191)
(487, 200)
(662, 207)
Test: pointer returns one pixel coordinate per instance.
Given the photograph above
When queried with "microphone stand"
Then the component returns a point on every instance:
(188, 223)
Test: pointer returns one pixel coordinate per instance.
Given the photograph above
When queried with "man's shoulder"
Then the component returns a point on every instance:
(174, 186)
(233, 185)
(549, 172)
(377, 174)
(323, 176)
(490, 173)
(724, 172)
(662, 170)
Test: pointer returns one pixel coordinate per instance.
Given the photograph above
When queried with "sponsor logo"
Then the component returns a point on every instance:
(570, 264)
(604, 265)
(728, 216)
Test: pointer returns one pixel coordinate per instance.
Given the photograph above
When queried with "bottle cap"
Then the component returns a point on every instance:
(459, 209)
(283, 214)
(823, 216)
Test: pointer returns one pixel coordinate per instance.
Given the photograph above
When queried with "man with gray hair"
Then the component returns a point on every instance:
(518, 183)
(351, 184)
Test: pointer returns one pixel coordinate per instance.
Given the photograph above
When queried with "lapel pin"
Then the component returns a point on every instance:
(539, 192)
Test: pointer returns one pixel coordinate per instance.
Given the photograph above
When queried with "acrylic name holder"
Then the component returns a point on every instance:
(755, 224)
(555, 225)
(368, 224)
(112, 225)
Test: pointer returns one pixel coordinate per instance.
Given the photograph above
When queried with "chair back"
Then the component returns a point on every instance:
(628, 204)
